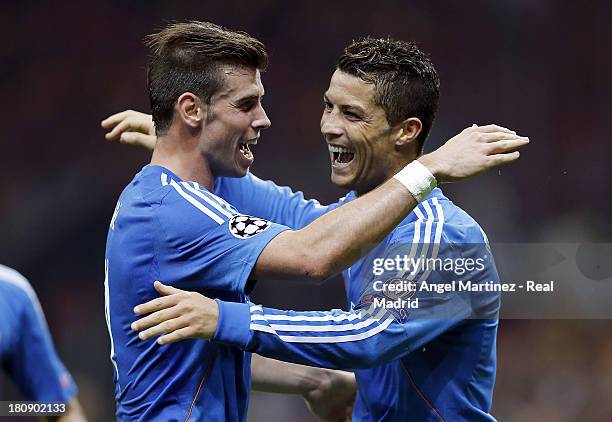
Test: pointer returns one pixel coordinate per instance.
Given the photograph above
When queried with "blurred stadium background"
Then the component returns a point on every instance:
(540, 67)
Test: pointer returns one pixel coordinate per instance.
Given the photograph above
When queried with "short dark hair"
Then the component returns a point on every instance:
(186, 57)
(406, 82)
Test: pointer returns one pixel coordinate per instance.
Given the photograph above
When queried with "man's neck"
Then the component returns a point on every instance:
(392, 169)
(184, 158)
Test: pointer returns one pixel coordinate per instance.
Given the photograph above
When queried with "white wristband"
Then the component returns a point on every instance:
(417, 179)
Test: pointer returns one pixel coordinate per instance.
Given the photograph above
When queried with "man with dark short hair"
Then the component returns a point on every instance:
(175, 221)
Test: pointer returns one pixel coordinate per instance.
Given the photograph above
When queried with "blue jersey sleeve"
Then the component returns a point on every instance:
(361, 338)
(214, 246)
(33, 363)
(265, 199)
(332, 339)
(380, 328)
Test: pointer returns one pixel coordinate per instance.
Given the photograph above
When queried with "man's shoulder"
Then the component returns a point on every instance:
(164, 193)
(16, 287)
(148, 185)
(186, 211)
(437, 220)
(193, 204)
(13, 280)
(461, 226)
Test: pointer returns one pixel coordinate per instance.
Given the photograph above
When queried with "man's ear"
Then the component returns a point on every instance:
(407, 131)
(190, 109)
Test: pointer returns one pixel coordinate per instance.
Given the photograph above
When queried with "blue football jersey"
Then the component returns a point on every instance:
(164, 228)
(436, 362)
(26, 349)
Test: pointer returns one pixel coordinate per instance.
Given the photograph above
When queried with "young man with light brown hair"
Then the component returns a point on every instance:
(173, 223)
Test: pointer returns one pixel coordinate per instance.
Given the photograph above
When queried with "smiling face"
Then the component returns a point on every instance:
(234, 119)
(360, 140)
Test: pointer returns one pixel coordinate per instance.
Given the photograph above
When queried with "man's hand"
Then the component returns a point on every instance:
(178, 315)
(474, 150)
(329, 394)
(131, 127)
(334, 397)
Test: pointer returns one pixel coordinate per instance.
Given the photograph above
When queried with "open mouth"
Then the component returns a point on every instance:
(245, 148)
(341, 155)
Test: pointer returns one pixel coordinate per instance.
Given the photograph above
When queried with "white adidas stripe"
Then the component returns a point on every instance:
(115, 214)
(324, 339)
(113, 356)
(196, 203)
(202, 195)
(426, 239)
(297, 318)
(416, 240)
(426, 236)
(220, 200)
(330, 328)
(439, 226)
(363, 314)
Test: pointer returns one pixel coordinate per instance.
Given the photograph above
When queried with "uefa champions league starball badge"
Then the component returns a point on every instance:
(245, 226)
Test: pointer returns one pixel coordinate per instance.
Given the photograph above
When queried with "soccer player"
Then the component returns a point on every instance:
(205, 91)
(26, 348)
(433, 362)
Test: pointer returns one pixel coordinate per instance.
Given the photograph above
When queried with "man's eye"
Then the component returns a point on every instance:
(327, 105)
(352, 116)
(247, 106)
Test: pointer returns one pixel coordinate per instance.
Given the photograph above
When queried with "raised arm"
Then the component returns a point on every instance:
(338, 238)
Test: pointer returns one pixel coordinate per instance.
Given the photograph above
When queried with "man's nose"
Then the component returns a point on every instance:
(330, 125)
(261, 121)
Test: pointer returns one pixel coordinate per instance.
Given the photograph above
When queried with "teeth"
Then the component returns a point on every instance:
(244, 148)
(333, 148)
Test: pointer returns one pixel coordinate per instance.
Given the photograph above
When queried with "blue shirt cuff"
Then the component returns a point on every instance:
(233, 326)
